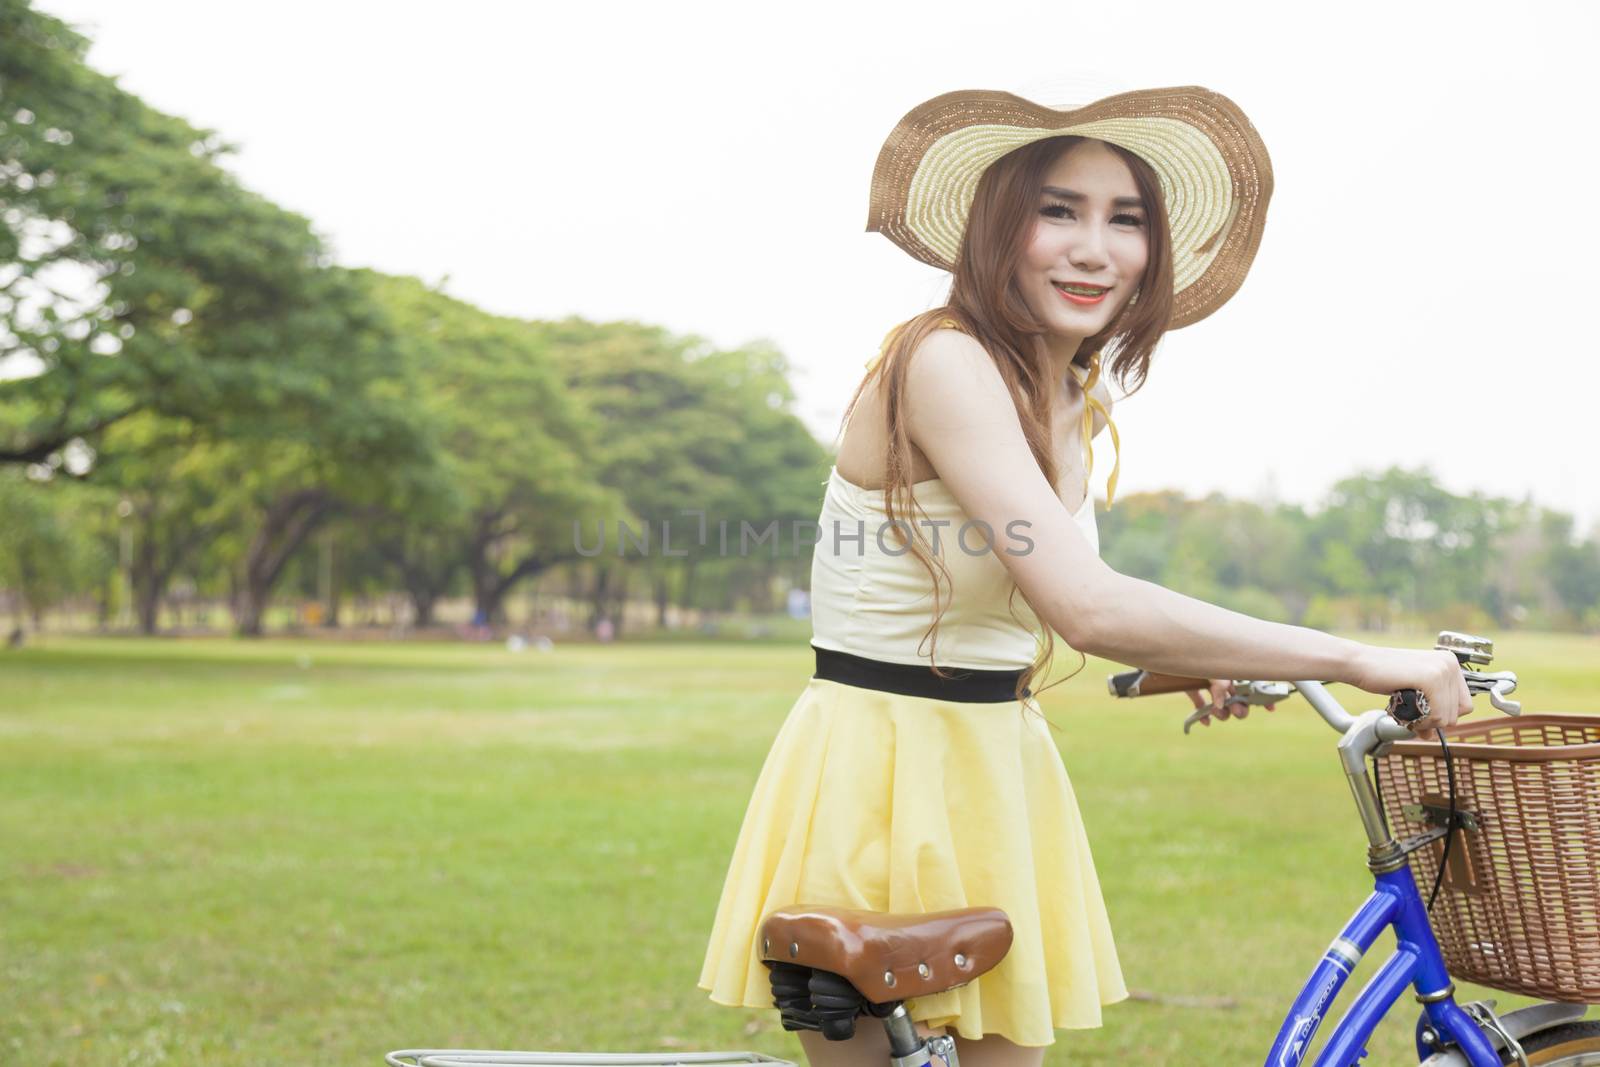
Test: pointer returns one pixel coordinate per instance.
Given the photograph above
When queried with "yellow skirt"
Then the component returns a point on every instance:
(882, 801)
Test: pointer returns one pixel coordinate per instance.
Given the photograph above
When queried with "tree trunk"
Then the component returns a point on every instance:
(599, 595)
(686, 590)
(489, 597)
(488, 600)
(162, 548)
(102, 606)
(147, 602)
(491, 585)
(148, 582)
(332, 572)
(290, 519)
(247, 613)
(424, 584)
(423, 601)
(619, 601)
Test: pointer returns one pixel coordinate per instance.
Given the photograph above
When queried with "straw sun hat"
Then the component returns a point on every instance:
(1215, 176)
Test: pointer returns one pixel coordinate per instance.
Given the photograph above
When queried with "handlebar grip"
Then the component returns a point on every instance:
(1148, 683)
(1408, 705)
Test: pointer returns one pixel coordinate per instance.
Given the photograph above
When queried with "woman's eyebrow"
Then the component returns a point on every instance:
(1068, 194)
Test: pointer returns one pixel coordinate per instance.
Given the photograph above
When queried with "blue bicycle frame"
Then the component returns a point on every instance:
(1395, 903)
(1416, 963)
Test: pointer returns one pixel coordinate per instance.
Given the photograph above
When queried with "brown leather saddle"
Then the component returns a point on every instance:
(829, 965)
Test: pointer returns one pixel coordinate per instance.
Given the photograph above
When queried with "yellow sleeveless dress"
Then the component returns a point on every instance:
(889, 802)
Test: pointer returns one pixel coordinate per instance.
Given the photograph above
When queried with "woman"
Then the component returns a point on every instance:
(915, 773)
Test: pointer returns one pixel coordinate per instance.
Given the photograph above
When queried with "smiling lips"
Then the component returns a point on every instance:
(1082, 294)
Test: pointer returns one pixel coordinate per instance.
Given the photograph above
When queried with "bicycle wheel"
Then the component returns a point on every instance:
(1569, 1045)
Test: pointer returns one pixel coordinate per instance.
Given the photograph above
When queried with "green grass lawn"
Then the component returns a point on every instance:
(218, 852)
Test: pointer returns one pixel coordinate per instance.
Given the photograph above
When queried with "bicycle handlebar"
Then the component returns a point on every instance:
(1405, 706)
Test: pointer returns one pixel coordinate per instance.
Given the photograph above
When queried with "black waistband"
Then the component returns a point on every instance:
(969, 684)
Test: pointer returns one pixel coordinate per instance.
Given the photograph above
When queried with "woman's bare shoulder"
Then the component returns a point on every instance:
(951, 370)
(960, 413)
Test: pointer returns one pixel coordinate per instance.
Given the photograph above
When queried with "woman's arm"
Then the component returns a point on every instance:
(959, 413)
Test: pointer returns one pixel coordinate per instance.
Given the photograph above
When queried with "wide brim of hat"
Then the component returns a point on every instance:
(1216, 177)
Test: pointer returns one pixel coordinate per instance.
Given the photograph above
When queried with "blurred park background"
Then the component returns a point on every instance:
(321, 734)
(209, 425)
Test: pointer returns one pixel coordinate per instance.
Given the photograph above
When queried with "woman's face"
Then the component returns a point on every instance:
(1092, 231)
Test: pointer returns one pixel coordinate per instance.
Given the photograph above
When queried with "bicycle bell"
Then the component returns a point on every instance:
(1470, 650)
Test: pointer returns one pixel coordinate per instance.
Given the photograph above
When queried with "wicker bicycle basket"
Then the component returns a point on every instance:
(1519, 904)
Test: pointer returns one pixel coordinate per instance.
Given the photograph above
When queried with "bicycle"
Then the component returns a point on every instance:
(829, 967)
(1448, 1034)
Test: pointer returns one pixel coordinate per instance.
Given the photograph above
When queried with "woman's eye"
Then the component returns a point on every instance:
(1060, 211)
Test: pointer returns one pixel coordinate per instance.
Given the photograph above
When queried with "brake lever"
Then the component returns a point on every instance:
(1204, 715)
(1499, 685)
(1245, 693)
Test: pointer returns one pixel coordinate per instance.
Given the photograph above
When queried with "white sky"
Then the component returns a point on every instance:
(1421, 295)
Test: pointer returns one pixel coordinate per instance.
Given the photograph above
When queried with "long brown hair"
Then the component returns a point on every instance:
(986, 300)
